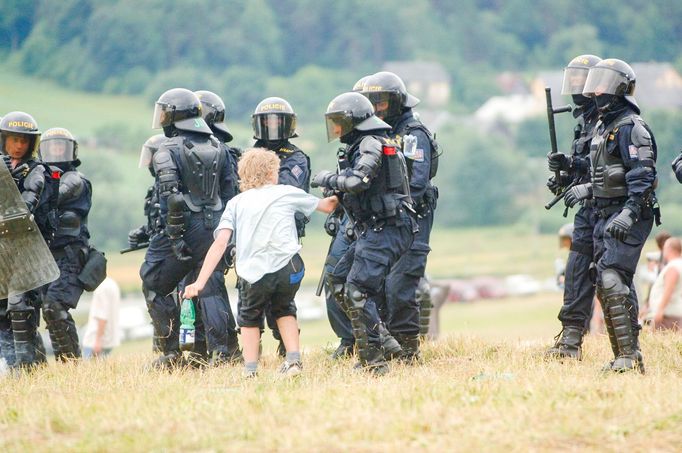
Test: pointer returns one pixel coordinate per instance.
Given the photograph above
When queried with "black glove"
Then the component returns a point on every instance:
(620, 226)
(554, 186)
(677, 168)
(322, 179)
(181, 249)
(8, 161)
(138, 236)
(578, 193)
(558, 162)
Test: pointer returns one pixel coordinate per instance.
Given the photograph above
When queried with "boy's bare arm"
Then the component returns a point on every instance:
(213, 257)
(328, 204)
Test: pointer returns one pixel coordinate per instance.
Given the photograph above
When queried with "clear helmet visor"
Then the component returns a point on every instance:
(387, 104)
(163, 116)
(273, 126)
(57, 150)
(338, 125)
(603, 81)
(574, 80)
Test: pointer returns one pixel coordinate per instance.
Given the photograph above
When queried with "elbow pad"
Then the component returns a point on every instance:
(166, 172)
(175, 222)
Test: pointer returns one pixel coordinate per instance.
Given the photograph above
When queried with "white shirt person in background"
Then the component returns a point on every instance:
(665, 301)
(102, 333)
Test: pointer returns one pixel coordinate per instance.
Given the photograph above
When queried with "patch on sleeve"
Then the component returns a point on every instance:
(418, 155)
(632, 149)
(297, 171)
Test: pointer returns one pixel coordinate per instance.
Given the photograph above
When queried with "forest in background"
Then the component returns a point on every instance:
(309, 51)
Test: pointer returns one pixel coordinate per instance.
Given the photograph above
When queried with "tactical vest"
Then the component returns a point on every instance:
(201, 166)
(388, 190)
(608, 169)
(73, 213)
(46, 212)
(410, 126)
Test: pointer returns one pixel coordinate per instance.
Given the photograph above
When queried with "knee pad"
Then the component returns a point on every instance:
(355, 297)
(612, 284)
(54, 311)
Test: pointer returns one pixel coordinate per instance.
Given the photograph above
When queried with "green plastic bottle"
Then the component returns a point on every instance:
(187, 330)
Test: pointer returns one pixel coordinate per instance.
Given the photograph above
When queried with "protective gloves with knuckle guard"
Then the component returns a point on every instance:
(558, 162)
(322, 179)
(554, 186)
(137, 236)
(621, 225)
(578, 193)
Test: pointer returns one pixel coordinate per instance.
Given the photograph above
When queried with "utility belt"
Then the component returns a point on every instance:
(207, 213)
(74, 252)
(377, 223)
(606, 207)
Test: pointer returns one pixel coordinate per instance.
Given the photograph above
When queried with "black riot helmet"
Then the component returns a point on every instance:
(349, 112)
(23, 125)
(181, 109)
(360, 84)
(273, 120)
(58, 146)
(150, 147)
(388, 94)
(611, 77)
(213, 111)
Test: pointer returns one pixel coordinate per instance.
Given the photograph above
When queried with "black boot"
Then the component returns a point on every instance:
(372, 360)
(410, 347)
(568, 344)
(390, 346)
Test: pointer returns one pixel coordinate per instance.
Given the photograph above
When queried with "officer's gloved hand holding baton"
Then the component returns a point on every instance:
(559, 162)
(620, 226)
(578, 193)
(137, 236)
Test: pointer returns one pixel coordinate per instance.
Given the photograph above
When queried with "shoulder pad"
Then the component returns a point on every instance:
(628, 120)
(639, 135)
(371, 143)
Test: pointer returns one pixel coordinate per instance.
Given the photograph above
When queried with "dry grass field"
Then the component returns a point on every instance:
(483, 387)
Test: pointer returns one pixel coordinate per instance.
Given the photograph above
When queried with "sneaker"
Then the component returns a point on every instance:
(290, 369)
(247, 374)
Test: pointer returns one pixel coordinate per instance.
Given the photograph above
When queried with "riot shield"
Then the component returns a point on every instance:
(25, 260)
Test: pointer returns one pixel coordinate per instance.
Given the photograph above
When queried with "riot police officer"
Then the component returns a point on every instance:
(22, 346)
(213, 112)
(342, 233)
(70, 246)
(274, 124)
(193, 175)
(576, 311)
(374, 191)
(404, 294)
(623, 178)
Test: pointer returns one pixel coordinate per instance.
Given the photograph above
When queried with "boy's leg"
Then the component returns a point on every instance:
(251, 339)
(288, 328)
(252, 302)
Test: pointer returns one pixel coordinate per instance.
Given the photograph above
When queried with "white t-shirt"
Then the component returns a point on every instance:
(263, 220)
(106, 301)
(674, 307)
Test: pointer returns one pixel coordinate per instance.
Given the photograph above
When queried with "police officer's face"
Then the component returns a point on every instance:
(16, 146)
(57, 148)
(381, 109)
